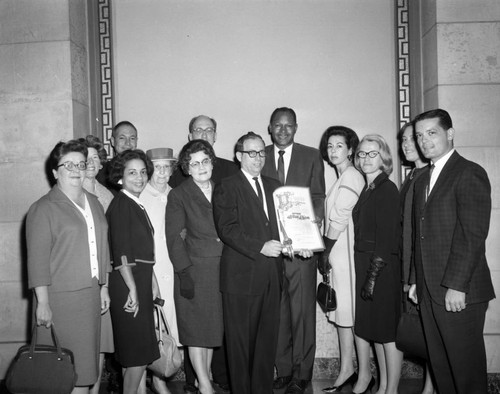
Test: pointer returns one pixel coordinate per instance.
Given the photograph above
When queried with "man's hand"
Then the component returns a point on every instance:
(412, 294)
(272, 248)
(454, 300)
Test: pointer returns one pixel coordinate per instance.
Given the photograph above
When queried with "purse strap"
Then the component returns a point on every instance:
(54, 339)
(161, 318)
(326, 278)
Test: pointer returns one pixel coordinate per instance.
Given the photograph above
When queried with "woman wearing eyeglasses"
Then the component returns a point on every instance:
(376, 218)
(195, 250)
(68, 260)
(132, 283)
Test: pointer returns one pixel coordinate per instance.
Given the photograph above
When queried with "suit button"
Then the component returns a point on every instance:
(267, 223)
(217, 239)
(422, 218)
(422, 237)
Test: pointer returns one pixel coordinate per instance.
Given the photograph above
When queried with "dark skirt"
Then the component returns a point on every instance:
(200, 319)
(77, 320)
(377, 320)
(135, 337)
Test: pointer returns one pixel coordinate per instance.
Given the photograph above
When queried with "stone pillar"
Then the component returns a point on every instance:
(43, 99)
(457, 68)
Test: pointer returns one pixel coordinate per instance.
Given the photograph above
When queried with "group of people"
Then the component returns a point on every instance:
(200, 232)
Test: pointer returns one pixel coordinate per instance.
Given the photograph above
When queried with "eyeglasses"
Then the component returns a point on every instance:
(200, 131)
(69, 165)
(196, 164)
(372, 154)
(254, 153)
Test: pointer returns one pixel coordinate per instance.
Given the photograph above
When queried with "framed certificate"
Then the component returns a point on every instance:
(296, 219)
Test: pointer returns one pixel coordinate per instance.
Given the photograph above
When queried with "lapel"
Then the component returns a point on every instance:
(370, 188)
(249, 191)
(295, 164)
(195, 193)
(443, 176)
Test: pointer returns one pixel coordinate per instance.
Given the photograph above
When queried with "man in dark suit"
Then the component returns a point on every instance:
(450, 276)
(296, 165)
(202, 127)
(205, 128)
(250, 267)
(123, 137)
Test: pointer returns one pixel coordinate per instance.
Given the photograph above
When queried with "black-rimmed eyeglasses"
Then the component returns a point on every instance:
(253, 153)
(372, 154)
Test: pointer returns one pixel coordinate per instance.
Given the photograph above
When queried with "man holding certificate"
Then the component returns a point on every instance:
(295, 164)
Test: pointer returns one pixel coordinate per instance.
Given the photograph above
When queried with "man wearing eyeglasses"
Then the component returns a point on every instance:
(203, 127)
(123, 137)
(250, 267)
(295, 164)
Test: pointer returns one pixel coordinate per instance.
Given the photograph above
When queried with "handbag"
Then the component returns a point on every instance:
(326, 296)
(410, 335)
(42, 369)
(170, 357)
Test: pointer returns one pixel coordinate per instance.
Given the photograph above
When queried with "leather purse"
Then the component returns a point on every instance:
(326, 296)
(410, 335)
(170, 357)
(42, 369)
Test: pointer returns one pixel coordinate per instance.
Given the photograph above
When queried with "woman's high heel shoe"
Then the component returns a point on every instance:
(335, 389)
(368, 388)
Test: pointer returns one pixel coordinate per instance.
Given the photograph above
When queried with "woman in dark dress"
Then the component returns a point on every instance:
(195, 250)
(377, 231)
(414, 157)
(132, 284)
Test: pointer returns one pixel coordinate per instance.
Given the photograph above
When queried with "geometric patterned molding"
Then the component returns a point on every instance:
(403, 61)
(106, 71)
(403, 69)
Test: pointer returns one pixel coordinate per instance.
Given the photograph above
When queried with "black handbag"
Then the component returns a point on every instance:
(410, 334)
(42, 369)
(326, 296)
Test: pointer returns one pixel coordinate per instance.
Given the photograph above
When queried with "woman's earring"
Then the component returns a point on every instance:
(349, 157)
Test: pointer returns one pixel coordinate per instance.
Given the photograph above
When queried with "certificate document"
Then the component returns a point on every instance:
(296, 218)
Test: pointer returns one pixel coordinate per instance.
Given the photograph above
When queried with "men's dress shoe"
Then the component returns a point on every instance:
(297, 386)
(190, 388)
(281, 382)
(368, 388)
(335, 389)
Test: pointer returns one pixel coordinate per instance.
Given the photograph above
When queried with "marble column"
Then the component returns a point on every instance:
(44, 98)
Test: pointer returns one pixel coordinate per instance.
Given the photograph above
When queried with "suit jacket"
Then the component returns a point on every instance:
(131, 237)
(222, 169)
(58, 246)
(450, 232)
(376, 220)
(243, 226)
(306, 169)
(188, 208)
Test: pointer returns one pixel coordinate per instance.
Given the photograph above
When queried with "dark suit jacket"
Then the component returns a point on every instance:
(222, 169)
(188, 208)
(130, 235)
(450, 232)
(376, 220)
(306, 169)
(243, 226)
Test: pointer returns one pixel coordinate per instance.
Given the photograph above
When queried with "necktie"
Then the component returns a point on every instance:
(281, 167)
(259, 190)
(428, 188)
